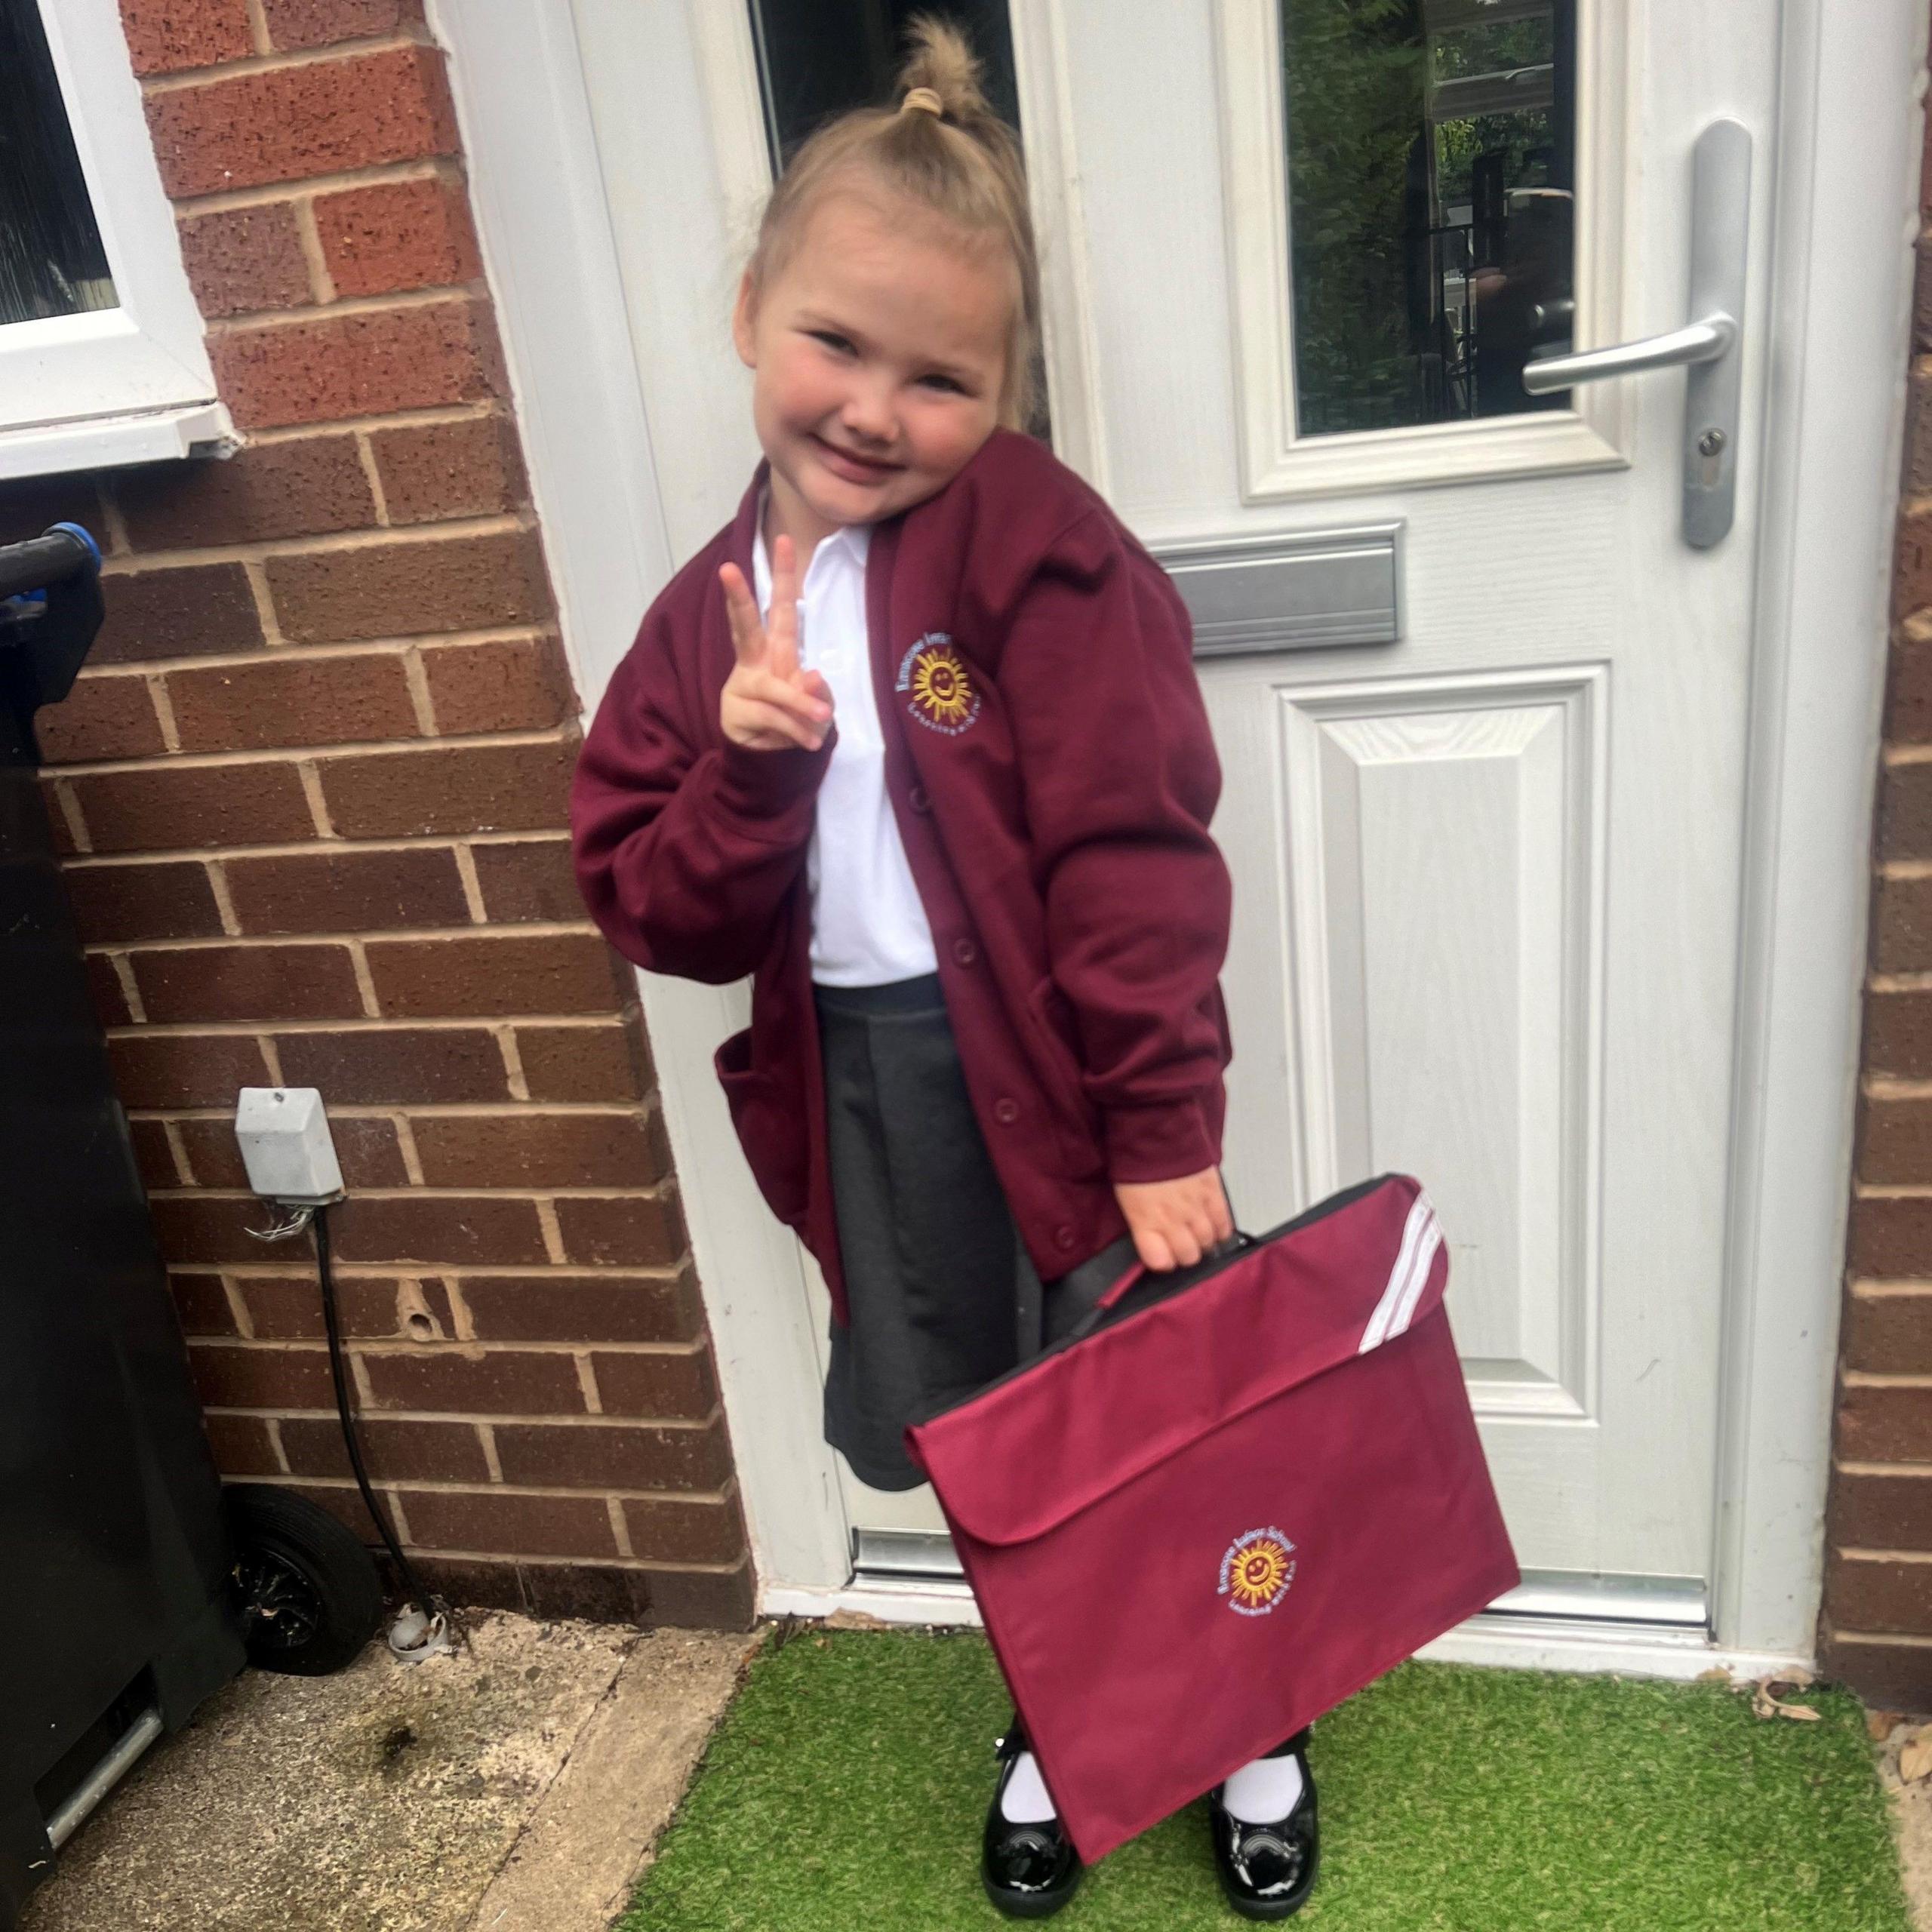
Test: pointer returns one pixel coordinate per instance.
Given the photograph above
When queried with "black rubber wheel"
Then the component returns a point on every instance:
(310, 1595)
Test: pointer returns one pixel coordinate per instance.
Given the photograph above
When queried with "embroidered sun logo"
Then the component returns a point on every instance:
(1256, 1571)
(939, 693)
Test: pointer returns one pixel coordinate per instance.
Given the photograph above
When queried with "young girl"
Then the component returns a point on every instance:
(916, 741)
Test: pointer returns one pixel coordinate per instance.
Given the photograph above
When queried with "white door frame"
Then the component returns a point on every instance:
(1843, 167)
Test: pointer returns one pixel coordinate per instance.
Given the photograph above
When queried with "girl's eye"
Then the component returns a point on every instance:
(945, 384)
(832, 340)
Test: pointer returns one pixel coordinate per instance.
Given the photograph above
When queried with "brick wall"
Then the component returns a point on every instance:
(1876, 1632)
(312, 785)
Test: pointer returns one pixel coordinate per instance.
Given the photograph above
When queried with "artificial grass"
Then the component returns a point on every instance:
(846, 1787)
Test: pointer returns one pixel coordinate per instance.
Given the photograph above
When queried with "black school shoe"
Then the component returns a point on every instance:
(1268, 1870)
(1030, 1871)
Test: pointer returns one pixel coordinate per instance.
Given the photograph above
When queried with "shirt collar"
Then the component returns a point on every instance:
(854, 539)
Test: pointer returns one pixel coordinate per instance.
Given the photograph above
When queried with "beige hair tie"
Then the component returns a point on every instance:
(925, 99)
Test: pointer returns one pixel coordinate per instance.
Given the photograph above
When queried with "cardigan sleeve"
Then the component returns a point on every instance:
(1121, 780)
(685, 846)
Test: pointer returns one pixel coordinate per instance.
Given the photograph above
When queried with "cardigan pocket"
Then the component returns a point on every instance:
(768, 1129)
(1056, 1063)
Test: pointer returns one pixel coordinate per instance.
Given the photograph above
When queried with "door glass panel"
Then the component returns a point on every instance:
(1431, 168)
(51, 260)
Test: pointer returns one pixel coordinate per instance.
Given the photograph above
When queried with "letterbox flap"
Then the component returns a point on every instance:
(1031, 1452)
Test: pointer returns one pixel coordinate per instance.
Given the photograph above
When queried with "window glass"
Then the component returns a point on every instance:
(1431, 169)
(51, 260)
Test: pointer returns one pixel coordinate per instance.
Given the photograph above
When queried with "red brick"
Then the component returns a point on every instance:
(1918, 435)
(165, 36)
(101, 717)
(623, 1231)
(1905, 811)
(28, 504)
(1912, 566)
(373, 1307)
(1890, 1238)
(523, 1525)
(1888, 1334)
(674, 1384)
(242, 1445)
(586, 1063)
(1922, 299)
(1862, 1594)
(452, 788)
(309, 486)
(418, 584)
(1898, 1034)
(185, 1069)
(1892, 1512)
(583, 1308)
(334, 891)
(478, 1382)
(434, 470)
(510, 685)
(534, 1150)
(289, 123)
(247, 982)
(317, 369)
(397, 234)
(1894, 1141)
(615, 1456)
(695, 1599)
(190, 611)
(201, 1302)
(1884, 1424)
(472, 1230)
(242, 260)
(1893, 1676)
(376, 1066)
(394, 1451)
(201, 1230)
(107, 994)
(153, 1154)
(343, 1501)
(235, 1375)
(708, 1529)
(1909, 692)
(285, 700)
(527, 878)
(293, 23)
(159, 808)
(367, 1148)
(486, 975)
(171, 899)
(1902, 925)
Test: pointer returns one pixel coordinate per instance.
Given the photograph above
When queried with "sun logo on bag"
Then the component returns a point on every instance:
(1255, 1572)
(939, 692)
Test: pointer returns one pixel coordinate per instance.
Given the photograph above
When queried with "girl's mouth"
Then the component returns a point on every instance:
(853, 468)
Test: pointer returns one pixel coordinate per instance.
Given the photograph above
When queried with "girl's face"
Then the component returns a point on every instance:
(879, 353)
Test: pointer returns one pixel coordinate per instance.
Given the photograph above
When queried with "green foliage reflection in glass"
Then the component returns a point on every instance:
(1430, 166)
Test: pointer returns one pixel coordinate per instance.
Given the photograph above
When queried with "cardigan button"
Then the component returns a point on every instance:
(1005, 1110)
(965, 951)
(1063, 1236)
(917, 800)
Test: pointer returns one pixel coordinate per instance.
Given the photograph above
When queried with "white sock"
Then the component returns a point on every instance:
(1025, 1801)
(1265, 1791)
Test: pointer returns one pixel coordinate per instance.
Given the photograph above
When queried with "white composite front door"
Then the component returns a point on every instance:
(1477, 659)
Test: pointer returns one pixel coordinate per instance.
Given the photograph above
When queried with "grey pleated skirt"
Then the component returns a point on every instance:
(942, 1295)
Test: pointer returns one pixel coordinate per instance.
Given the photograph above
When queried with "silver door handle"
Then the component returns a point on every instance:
(1711, 346)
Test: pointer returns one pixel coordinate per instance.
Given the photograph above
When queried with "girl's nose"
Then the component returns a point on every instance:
(868, 413)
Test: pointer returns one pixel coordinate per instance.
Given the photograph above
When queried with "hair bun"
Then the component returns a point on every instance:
(940, 61)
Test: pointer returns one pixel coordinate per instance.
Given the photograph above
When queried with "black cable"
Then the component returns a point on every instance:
(332, 1323)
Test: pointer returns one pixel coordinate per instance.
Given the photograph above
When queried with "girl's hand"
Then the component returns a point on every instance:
(768, 703)
(1175, 1223)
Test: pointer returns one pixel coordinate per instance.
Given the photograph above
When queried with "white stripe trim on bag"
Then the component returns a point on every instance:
(1421, 1237)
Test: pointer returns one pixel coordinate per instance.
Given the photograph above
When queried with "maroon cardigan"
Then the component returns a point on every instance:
(1049, 767)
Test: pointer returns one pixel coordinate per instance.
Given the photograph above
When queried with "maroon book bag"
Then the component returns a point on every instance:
(1230, 1499)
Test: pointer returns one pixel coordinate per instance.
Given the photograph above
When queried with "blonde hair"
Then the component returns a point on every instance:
(942, 148)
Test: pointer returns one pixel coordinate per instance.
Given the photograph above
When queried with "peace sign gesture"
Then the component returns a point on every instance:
(768, 702)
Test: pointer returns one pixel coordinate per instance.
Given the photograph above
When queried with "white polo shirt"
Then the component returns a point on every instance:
(869, 926)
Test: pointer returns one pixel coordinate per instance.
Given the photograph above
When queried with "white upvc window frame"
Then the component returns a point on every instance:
(1278, 464)
(130, 384)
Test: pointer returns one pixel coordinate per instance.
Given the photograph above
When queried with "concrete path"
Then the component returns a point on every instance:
(515, 1788)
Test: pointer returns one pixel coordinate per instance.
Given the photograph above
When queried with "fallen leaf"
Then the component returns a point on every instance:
(1915, 1755)
(1879, 1725)
(1717, 1674)
(1765, 1702)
